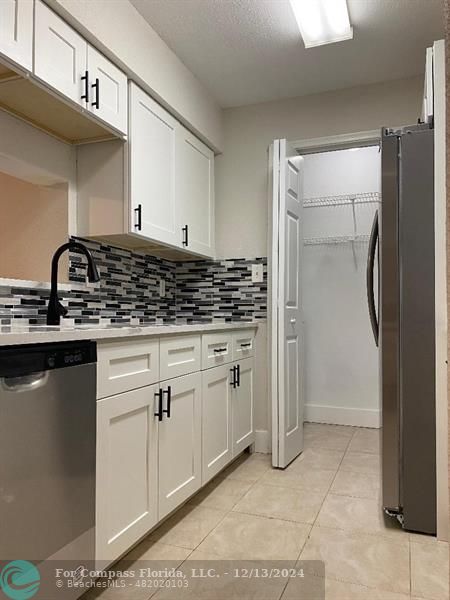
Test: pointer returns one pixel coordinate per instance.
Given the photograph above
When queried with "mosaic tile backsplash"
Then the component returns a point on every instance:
(202, 291)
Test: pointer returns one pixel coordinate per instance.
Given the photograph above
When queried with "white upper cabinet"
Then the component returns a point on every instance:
(68, 64)
(152, 169)
(16, 32)
(195, 193)
(60, 54)
(107, 95)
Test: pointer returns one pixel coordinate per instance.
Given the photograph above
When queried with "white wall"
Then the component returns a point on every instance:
(341, 359)
(241, 172)
(118, 30)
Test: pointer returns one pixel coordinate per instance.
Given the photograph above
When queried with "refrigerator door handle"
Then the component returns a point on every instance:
(369, 278)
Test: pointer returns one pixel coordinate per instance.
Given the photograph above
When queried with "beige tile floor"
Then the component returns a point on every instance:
(324, 506)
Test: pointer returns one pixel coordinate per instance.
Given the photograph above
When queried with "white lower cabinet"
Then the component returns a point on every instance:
(216, 420)
(127, 484)
(159, 443)
(242, 406)
(180, 444)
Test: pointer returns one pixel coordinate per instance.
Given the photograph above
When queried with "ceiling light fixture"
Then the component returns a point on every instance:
(322, 21)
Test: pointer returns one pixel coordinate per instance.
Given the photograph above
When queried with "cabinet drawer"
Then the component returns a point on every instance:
(217, 349)
(179, 355)
(243, 344)
(126, 365)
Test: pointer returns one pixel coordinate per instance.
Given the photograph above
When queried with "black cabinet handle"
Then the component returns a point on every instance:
(238, 378)
(159, 413)
(138, 213)
(233, 379)
(85, 78)
(246, 345)
(96, 86)
(185, 231)
(169, 400)
(220, 350)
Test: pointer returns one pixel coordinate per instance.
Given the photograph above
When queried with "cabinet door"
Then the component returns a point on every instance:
(180, 443)
(126, 494)
(195, 193)
(108, 92)
(16, 31)
(216, 420)
(60, 54)
(152, 169)
(242, 407)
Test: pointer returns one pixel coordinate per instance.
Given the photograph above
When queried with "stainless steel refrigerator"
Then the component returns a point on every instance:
(402, 314)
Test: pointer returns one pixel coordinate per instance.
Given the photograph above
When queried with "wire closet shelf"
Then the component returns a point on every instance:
(347, 199)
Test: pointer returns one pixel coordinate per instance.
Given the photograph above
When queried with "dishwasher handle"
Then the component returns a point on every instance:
(25, 383)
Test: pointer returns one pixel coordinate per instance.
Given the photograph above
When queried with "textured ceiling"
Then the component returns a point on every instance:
(249, 51)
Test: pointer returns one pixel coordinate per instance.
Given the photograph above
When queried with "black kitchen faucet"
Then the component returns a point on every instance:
(55, 309)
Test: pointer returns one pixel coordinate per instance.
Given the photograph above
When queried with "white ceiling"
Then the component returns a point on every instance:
(249, 51)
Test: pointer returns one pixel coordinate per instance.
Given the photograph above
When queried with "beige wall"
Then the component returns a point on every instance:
(241, 172)
(121, 33)
(33, 224)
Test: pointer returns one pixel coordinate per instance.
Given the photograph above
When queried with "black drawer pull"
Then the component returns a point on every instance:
(220, 350)
(246, 345)
(96, 86)
(169, 401)
(138, 213)
(238, 378)
(85, 78)
(233, 379)
(185, 231)
(159, 414)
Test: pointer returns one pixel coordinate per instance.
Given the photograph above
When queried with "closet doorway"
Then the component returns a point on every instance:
(335, 362)
(341, 195)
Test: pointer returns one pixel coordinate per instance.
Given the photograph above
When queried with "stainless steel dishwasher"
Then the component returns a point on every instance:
(47, 453)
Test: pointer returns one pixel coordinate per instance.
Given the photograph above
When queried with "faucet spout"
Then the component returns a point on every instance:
(55, 309)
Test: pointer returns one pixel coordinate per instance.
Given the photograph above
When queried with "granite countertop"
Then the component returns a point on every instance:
(40, 334)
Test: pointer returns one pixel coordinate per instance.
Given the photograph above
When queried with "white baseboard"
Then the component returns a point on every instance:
(262, 441)
(341, 415)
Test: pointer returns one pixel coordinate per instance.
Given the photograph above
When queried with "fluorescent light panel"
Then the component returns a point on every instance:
(322, 21)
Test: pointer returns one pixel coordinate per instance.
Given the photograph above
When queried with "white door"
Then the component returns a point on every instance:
(243, 406)
(180, 442)
(16, 31)
(152, 169)
(195, 193)
(216, 420)
(108, 91)
(126, 488)
(286, 311)
(60, 54)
